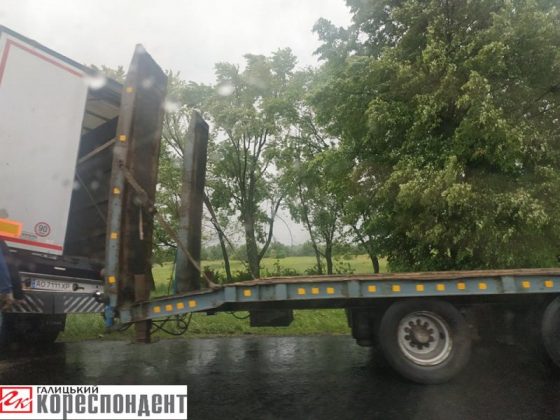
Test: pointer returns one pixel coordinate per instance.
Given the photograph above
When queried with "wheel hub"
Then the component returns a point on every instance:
(419, 334)
(424, 338)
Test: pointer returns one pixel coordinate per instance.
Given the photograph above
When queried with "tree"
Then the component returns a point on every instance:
(244, 110)
(301, 165)
(449, 113)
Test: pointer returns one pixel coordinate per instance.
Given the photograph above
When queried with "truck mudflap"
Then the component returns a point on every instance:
(59, 303)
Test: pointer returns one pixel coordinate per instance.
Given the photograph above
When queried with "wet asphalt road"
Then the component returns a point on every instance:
(298, 377)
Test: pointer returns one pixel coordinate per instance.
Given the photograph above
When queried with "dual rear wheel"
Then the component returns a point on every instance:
(429, 341)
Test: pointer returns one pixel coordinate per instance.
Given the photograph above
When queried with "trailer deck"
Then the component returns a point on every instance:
(343, 290)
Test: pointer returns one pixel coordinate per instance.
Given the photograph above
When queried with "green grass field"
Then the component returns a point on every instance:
(306, 322)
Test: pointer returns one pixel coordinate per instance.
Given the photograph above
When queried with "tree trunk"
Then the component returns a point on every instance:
(367, 246)
(374, 262)
(318, 259)
(221, 237)
(328, 257)
(225, 256)
(252, 250)
(310, 231)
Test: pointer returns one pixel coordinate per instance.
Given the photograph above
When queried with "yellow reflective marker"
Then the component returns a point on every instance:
(482, 286)
(330, 290)
(180, 305)
(526, 284)
(114, 235)
(129, 89)
(419, 287)
(157, 309)
(122, 137)
(10, 228)
(396, 288)
(461, 286)
(116, 191)
(168, 308)
(372, 288)
(440, 287)
(112, 279)
(314, 290)
(548, 283)
(192, 303)
(301, 291)
(247, 293)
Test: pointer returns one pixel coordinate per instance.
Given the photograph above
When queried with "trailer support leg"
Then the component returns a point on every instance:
(142, 287)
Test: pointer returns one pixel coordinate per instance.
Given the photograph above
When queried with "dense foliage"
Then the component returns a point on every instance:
(449, 112)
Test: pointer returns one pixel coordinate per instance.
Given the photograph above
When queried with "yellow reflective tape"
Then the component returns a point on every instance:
(247, 293)
(10, 228)
(301, 291)
(112, 279)
(314, 290)
(396, 288)
(157, 309)
(461, 286)
(168, 308)
(548, 283)
(116, 191)
(192, 303)
(372, 288)
(122, 137)
(180, 305)
(526, 284)
(440, 287)
(114, 235)
(482, 286)
(330, 290)
(129, 89)
(419, 287)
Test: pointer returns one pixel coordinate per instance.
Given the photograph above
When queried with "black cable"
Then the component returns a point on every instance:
(238, 317)
(159, 325)
(124, 327)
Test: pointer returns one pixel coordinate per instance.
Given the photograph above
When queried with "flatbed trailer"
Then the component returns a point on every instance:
(342, 291)
(415, 318)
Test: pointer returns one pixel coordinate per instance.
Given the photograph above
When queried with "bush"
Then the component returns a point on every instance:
(279, 271)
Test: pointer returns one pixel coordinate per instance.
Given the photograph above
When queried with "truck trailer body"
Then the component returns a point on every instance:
(58, 129)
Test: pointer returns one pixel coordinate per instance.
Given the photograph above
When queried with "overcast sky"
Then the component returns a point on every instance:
(182, 35)
(185, 35)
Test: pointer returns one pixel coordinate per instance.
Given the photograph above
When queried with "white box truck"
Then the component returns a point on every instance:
(58, 123)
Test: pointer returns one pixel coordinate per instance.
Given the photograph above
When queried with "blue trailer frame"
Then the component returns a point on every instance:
(343, 291)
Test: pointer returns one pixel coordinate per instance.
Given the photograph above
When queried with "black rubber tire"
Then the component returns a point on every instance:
(550, 331)
(6, 330)
(37, 329)
(459, 332)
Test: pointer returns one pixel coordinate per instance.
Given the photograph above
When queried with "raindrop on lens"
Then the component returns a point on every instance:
(226, 89)
(171, 106)
(96, 81)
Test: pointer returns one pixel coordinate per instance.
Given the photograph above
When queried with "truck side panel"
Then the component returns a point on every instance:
(42, 100)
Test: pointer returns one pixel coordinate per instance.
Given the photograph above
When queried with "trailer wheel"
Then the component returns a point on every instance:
(425, 341)
(550, 330)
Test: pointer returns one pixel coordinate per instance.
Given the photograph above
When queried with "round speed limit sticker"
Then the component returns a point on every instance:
(42, 229)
